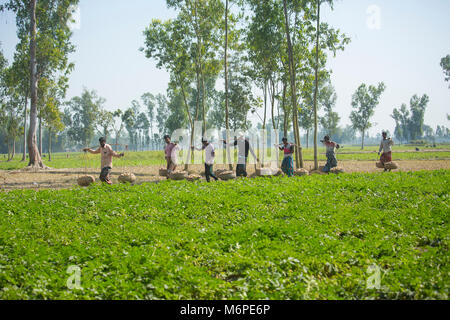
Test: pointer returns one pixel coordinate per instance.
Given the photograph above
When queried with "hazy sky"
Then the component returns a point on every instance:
(399, 42)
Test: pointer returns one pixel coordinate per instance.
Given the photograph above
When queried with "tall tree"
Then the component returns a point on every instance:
(364, 101)
(330, 120)
(83, 111)
(298, 151)
(44, 25)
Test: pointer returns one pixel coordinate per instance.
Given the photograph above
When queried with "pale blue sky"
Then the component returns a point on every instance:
(404, 53)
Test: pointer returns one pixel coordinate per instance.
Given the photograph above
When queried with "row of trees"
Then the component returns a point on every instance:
(280, 47)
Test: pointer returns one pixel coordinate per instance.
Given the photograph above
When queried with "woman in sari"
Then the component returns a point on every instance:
(331, 147)
(287, 166)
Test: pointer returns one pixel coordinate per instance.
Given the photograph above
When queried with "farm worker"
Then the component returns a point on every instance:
(209, 158)
(171, 154)
(385, 145)
(243, 148)
(331, 147)
(288, 163)
(107, 153)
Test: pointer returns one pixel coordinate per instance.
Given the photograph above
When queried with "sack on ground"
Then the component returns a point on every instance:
(379, 165)
(85, 181)
(301, 172)
(178, 175)
(261, 172)
(127, 177)
(227, 175)
(337, 170)
(193, 177)
(390, 165)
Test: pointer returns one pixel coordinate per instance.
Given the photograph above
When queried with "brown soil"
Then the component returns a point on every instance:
(67, 178)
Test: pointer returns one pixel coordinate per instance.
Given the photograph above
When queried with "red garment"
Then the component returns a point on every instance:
(386, 157)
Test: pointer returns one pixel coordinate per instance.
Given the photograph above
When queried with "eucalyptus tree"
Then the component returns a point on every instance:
(83, 112)
(203, 25)
(44, 25)
(364, 101)
(330, 120)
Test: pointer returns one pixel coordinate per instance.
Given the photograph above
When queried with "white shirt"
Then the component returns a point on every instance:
(385, 145)
(209, 154)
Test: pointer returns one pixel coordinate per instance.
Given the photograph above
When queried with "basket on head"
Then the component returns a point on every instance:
(227, 175)
(178, 175)
(301, 172)
(162, 172)
(85, 181)
(390, 165)
(127, 177)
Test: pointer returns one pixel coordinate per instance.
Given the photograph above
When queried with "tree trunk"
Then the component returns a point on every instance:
(227, 127)
(362, 140)
(298, 150)
(49, 145)
(316, 160)
(285, 123)
(33, 152)
(14, 148)
(24, 156)
(40, 134)
(307, 139)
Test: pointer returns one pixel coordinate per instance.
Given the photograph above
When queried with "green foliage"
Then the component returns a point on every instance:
(364, 100)
(82, 116)
(282, 238)
(409, 124)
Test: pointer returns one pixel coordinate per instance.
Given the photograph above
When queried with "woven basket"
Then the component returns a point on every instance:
(390, 165)
(379, 165)
(127, 177)
(162, 172)
(85, 181)
(178, 175)
(227, 175)
(301, 172)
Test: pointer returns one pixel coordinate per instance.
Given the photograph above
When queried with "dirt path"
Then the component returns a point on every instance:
(67, 178)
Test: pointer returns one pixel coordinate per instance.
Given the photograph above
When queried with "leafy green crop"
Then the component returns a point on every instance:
(279, 238)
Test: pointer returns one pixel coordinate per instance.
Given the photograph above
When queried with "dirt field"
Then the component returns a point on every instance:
(67, 178)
